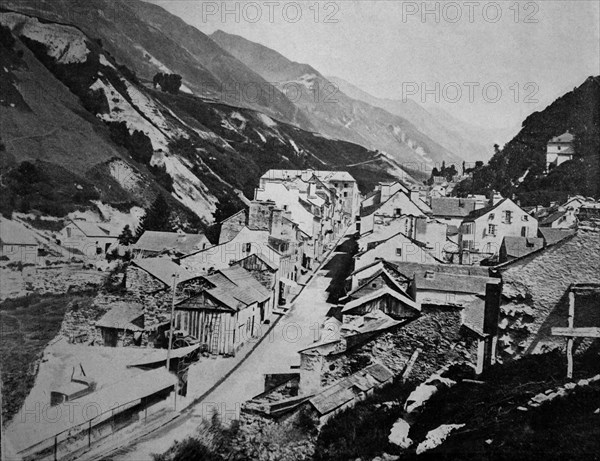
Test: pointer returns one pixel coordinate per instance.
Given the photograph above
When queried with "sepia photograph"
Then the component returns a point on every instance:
(299, 230)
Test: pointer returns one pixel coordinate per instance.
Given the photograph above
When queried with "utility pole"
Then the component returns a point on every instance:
(171, 322)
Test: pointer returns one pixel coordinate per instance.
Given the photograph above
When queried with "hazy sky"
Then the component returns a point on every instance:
(528, 50)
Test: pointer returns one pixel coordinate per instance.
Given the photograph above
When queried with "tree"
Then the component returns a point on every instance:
(157, 218)
(169, 83)
(127, 238)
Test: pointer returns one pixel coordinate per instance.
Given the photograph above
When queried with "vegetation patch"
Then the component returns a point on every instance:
(27, 325)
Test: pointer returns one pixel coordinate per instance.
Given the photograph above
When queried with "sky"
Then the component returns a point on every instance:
(488, 63)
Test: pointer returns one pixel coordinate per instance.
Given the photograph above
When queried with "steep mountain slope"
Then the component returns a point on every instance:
(148, 39)
(466, 141)
(334, 113)
(519, 167)
(70, 108)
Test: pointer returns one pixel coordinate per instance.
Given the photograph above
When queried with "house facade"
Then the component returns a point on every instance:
(17, 243)
(482, 232)
(88, 238)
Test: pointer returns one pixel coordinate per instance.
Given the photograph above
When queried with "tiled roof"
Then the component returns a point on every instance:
(121, 317)
(517, 247)
(161, 241)
(552, 217)
(14, 233)
(236, 288)
(483, 211)
(381, 272)
(452, 207)
(340, 393)
(552, 236)
(163, 269)
(446, 277)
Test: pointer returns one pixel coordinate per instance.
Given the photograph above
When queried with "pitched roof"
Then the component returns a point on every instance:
(372, 322)
(552, 217)
(14, 233)
(383, 271)
(161, 241)
(163, 269)
(121, 316)
(236, 288)
(270, 264)
(517, 247)
(340, 393)
(386, 291)
(552, 236)
(483, 211)
(453, 207)
(563, 138)
(91, 229)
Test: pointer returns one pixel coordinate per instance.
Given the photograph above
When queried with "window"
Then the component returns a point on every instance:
(68, 232)
(468, 228)
(492, 216)
(558, 147)
(524, 231)
(398, 251)
(247, 247)
(285, 207)
(492, 229)
(345, 194)
(345, 185)
(525, 218)
(335, 184)
(508, 217)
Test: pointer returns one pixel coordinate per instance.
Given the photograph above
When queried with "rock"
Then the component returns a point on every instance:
(540, 398)
(399, 434)
(388, 457)
(436, 437)
(518, 408)
(583, 382)
(570, 386)
(597, 411)
(489, 441)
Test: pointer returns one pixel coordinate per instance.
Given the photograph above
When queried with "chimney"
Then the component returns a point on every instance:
(414, 195)
(385, 192)
(496, 198)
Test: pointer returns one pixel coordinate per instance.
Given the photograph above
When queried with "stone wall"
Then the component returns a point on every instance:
(535, 297)
(438, 333)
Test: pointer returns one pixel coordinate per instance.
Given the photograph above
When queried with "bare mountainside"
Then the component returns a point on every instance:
(334, 112)
(147, 38)
(93, 131)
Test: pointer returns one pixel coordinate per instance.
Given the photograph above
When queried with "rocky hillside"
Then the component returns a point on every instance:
(146, 38)
(468, 142)
(334, 112)
(78, 126)
(518, 168)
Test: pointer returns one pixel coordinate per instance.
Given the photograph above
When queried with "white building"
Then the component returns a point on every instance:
(559, 150)
(482, 232)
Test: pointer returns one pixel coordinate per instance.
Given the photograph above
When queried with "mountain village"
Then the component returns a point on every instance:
(183, 277)
(399, 259)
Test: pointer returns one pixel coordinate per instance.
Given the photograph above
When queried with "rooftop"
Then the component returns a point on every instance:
(14, 233)
(121, 317)
(179, 242)
(563, 138)
(343, 391)
(517, 247)
(453, 207)
(163, 269)
(325, 176)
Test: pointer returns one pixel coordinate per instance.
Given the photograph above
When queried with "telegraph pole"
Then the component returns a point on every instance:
(171, 322)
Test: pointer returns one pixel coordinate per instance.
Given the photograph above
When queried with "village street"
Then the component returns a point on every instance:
(277, 353)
